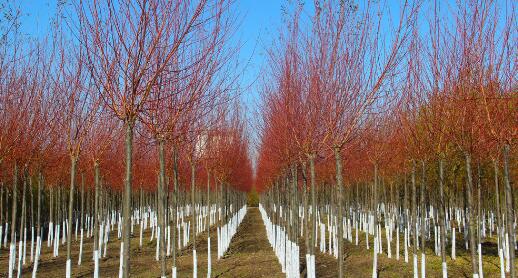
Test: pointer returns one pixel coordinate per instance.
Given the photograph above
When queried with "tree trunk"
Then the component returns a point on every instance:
(96, 213)
(23, 222)
(405, 218)
(73, 160)
(469, 217)
(499, 229)
(313, 203)
(193, 219)
(208, 203)
(14, 203)
(339, 184)
(193, 204)
(442, 226)
(127, 202)
(38, 224)
(51, 218)
(82, 200)
(510, 211)
(478, 222)
(161, 209)
(375, 214)
(423, 220)
(305, 204)
(208, 225)
(175, 203)
(32, 219)
(414, 220)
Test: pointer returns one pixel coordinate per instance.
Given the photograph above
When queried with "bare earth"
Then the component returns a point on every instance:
(249, 255)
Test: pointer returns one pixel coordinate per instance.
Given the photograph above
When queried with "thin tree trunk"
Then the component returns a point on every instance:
(510, 212)
(127, 202)
(161, 209)
(193, 219)
(96, 213)
(479, 224)
(423, 220)
(209, 261)
(375, 214)
(14, 203)
(193, 204)
(51, 223)
(23, 221)
(306, 213)
(442, 207)
(208, 203)
(82, 200)
(500, 229)
(405, 219)
(175, 205)
(82, 220)
(32, 219)
(414, 220)
(339, 183)
(469, 217)
(73, 160)
(313, 203)
(38, 225)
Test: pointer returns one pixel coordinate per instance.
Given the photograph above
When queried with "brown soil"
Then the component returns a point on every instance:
(249, 255)
(358, 261)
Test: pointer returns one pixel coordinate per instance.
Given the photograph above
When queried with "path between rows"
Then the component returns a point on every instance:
(249, 254)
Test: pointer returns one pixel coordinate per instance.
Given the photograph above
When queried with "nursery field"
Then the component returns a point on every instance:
(247, 138)
(249, 255)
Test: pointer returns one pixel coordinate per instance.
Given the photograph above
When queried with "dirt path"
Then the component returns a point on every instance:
(249, 254)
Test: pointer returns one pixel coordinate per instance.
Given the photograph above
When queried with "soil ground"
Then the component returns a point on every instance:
(250, 255)
(358, 260)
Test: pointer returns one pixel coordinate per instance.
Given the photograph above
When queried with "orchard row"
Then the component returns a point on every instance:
(125, 117)
(399, 125)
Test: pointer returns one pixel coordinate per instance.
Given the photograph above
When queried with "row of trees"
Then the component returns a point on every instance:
(358, 105)
(145, 91)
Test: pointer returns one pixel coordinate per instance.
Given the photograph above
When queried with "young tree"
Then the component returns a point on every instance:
(121, 42)
(80, 107)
